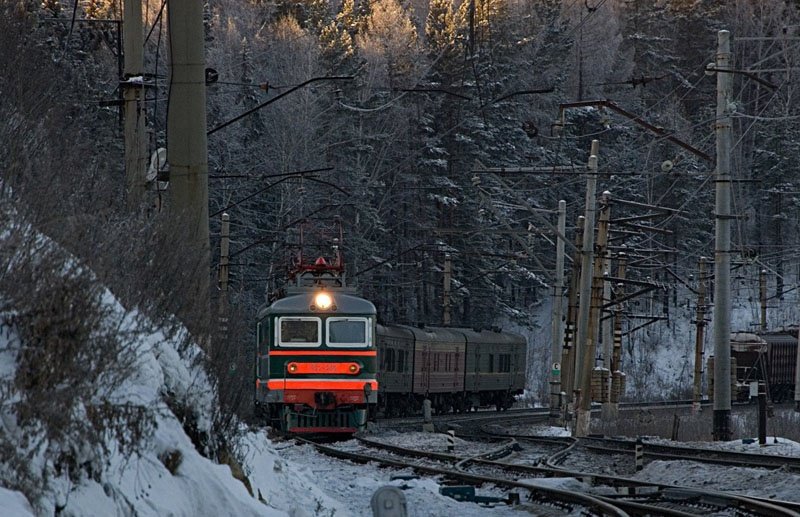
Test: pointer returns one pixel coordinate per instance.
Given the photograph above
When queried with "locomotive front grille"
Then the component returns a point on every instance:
(327, 421)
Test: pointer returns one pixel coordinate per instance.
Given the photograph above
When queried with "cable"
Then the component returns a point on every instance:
(71, 27)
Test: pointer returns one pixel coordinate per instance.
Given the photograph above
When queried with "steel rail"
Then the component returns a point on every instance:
(701, 455)
(545, 495)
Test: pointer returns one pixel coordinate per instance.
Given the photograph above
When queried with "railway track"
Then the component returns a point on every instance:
(549, 501)
(604, 495)
(675, 452)
(568, 445)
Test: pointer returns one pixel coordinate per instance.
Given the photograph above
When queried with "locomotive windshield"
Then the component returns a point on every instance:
(348, 332)
(299, 331)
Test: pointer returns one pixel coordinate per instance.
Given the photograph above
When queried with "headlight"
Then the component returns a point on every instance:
(323, 301)
(292, 367)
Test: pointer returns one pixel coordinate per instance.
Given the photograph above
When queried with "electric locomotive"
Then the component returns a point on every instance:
(316, 358)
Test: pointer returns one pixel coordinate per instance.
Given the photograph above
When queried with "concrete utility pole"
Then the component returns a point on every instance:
(595, 312)
(568, 352)
(797, 380)
(617, 377)
(762, 295)
(558, 309)
(584, 295)
(722, 249)
(224, 268)
(448, 269)
(700, 323)
(186, 136)
(133, 95)
(607, 326)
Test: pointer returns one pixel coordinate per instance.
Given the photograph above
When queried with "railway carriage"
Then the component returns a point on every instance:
(438, 372)
(455, 368)
(495, 367)
(396, 362)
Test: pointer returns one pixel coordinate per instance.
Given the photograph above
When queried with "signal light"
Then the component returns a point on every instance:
(353, 368)
(292, 367)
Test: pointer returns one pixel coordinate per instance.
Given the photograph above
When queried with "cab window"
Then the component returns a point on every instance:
(299, 331)
(348, 332)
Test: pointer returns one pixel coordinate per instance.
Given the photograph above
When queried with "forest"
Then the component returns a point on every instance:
(429, 129)
(392, 115)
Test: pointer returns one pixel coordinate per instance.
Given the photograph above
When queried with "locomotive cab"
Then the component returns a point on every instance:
(316, 361)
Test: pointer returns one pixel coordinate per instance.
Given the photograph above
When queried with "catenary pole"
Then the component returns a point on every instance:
(448, 271)
(617, 377)
(584, 295)
(797, 379)
(186, 138)
(722, 258)
(557, 333)
(133, 98)
(607, 326)
(590, 342)
(762, 295)
(224, 269)
(568, 351)
(700, 323)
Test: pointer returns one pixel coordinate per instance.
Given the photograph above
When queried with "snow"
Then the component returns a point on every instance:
(14, 503)
(353, 486)
(285, 478)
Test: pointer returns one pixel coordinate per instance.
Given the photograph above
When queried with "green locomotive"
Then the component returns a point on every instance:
(316, 359)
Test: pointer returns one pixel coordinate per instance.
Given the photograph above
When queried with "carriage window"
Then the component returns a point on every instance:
(348, 332)
(299, 331)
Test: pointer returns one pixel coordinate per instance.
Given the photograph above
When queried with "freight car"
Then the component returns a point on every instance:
(766, 358)
(457, 369)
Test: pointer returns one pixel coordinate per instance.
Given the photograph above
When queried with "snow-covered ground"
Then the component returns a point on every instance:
(284, 478)
(295, 480)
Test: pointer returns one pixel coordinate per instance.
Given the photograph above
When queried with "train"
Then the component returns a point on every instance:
(457, 369)
(763, 362)
(316, 356)
(324, 365)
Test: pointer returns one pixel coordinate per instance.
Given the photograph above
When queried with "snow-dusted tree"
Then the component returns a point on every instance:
(336, 37)
(389, 46)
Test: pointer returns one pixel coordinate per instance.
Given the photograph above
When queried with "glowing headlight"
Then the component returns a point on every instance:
(353, 368)
(292, 367)
(323, 301)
